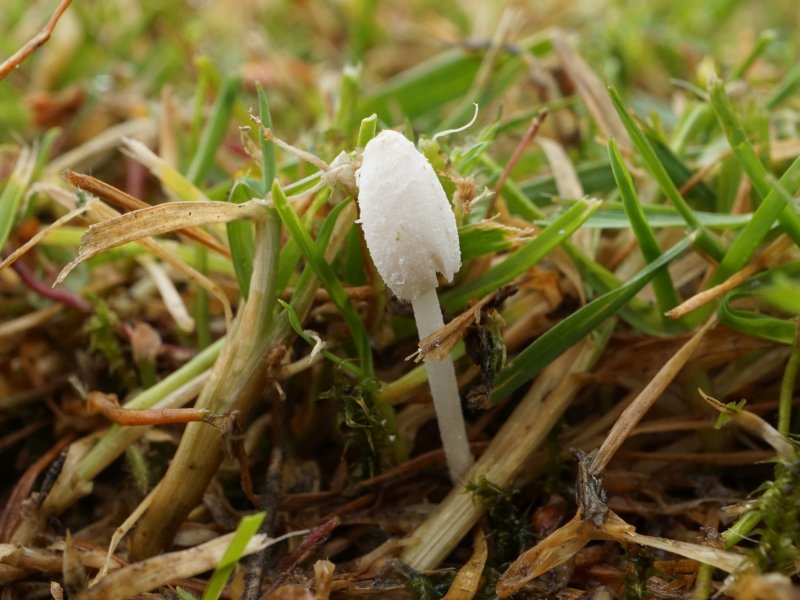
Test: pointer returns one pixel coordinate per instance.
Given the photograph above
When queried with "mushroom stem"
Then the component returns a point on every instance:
(444, 389)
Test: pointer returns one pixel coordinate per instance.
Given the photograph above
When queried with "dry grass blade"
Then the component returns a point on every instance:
(22, 250)
(591, 90)
(702, 298)
(73, 572)
(502, 32)
(173, 301)
(639, 407)
(311, 159)
(568, 185)
(730, 562)
(87, 155)
(758, 586)
(755, 424)
(127, 203)
(566, 541)
(554, 550)
(770, 256)
(156, 220)
(441, 342)
(507, 455)
(107, 217)
(527, 138)
(150, 574)
(28, 321)
(120, 533)
(567, 182)
(467, 581)
(17, 561)
(323, 579)
(16, 59)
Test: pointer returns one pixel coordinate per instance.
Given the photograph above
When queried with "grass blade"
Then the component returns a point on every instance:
(485, 237)
(743, 150)
(758, 324)
(702, 195)
(268, 166)
(290, 253)
(639, 314)
(369, 125)
(202, 160)
(297, 326)
(566, 333)
(445, 77)
(17, 183)
(745, 245)
(241, 239)
(349, 87)
(525, 257)
(765, 38)
(662, 283)
(785, 89)
(326, 275)
(612, 215)
(705, 240)
(247, 528)
(214, 131)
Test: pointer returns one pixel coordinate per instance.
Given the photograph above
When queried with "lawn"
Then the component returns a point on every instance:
(225, 227)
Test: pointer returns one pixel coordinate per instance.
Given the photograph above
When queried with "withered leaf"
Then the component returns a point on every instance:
(441, 342)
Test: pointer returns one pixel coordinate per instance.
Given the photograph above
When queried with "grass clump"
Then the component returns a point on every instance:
(625, 202)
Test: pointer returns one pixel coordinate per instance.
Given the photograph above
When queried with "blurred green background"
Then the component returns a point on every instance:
(118, 55)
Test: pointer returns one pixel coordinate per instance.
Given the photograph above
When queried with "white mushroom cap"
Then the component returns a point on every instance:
(408, 224)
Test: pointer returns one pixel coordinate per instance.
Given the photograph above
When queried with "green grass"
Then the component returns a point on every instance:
(703, 184)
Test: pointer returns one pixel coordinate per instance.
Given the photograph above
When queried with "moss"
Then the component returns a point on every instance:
(510, 533)
(431, 586)
(369, 441)
(778, 535)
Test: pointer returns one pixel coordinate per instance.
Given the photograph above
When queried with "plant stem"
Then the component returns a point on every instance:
(787, 391)
(75, 480)
(444, 389)
(236, 380)
(509, 452)
(703, 582)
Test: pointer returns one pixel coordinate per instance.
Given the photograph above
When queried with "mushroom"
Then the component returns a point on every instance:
(411, 234)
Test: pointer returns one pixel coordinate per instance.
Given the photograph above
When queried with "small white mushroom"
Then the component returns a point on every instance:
(411, 234)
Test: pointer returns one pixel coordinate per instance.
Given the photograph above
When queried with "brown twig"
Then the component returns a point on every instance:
(728, 458)
(45, 291)
(530, 134)
(13, 438)
(254, 565)
(108, 406)
(11, 513)
(311, 542)
(16, 59)
(701, 174)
